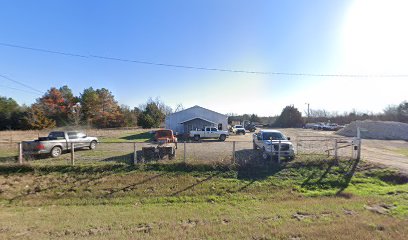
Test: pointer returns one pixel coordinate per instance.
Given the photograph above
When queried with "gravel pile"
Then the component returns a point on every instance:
(376, 130)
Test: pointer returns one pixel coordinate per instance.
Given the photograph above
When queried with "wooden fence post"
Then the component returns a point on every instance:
(134, 154)
(335, 150)
(20, 153)
(359, 149)
(233, 152)
(72, 154)
(297, 145)
(184, 157)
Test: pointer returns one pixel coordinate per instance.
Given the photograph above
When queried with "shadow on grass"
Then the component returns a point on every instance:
(131, 187)
(123, 159)
(251, 166)
(9, 159)
(195, 184)
(76, 183)
(331, 174)
(145, 136)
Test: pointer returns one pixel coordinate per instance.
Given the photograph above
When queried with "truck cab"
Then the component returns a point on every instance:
(273, 143)
(209, 132)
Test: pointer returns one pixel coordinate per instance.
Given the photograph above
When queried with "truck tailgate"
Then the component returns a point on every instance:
(30, 146)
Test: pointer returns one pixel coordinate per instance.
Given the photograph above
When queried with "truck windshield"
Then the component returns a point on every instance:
(274, 136)
(56, 135)
(164, 133)
(238, 126)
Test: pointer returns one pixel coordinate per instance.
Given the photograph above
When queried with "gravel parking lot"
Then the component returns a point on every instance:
(385, 152)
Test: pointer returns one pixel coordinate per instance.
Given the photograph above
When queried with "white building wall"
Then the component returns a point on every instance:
(173, 121)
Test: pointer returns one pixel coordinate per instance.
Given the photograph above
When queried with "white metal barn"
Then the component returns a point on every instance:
(194, 118)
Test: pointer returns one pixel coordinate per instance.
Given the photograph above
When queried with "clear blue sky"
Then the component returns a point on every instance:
(328, 37)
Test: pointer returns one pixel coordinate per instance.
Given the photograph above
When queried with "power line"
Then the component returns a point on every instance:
(206, 68)
(20, 83)
(22, 90)
(43, 50)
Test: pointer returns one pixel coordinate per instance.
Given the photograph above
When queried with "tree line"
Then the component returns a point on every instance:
(292, 117)
(98, 108)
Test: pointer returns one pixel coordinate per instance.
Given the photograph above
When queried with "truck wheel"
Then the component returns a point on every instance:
(197, 138)
(223, 137)
(172, 155)
(56, 152)
(265, 155)
(92, 146)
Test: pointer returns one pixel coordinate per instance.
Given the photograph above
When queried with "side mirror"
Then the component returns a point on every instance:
(288, 138)
(85, 136)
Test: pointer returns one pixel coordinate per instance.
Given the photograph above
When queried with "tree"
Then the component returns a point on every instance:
(10, 114)
(179, 107)
(56, 104)
(152, 115)
(75, 114)
(146, 121)
(290, 117)
(36, 118)
(254, 118)
(130, 115)
(403, 112)
(100, 108)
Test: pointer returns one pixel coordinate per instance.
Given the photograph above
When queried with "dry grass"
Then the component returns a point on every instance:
(184, 201)
(206, 198)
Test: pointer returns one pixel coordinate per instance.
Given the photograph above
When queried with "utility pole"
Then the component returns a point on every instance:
(308, 110)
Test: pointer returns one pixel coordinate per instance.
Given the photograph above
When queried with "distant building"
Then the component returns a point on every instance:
(195, 118)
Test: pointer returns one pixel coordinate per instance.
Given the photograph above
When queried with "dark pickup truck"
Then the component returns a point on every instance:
(58, 142)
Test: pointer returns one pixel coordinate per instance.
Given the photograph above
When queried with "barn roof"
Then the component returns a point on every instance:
(197, 118)
(196, 106)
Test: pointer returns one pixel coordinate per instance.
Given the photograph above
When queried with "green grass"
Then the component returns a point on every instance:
(403, 151)
(309, 198)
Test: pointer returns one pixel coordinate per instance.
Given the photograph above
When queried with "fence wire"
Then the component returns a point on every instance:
(192, 152)
(324, 146)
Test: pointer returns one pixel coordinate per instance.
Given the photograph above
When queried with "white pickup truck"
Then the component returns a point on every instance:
(238, 129)
(269, 140)
(209, 132)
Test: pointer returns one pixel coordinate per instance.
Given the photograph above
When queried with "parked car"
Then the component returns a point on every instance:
(58, 142)
(268, 141)
(309, 125)
(209, 132)
(163, 136)
(318, 126)
(331, 127)
(238, 129)
(250, 127)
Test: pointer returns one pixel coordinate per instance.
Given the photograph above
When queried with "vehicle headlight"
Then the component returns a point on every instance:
(291, 147)
(268, 143)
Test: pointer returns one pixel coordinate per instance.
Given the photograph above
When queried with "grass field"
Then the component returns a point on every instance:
(104, 196)
(309, 198)
(403, 151)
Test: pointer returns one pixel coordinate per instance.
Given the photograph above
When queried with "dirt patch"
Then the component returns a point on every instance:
(304, 215)
(380, 208)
